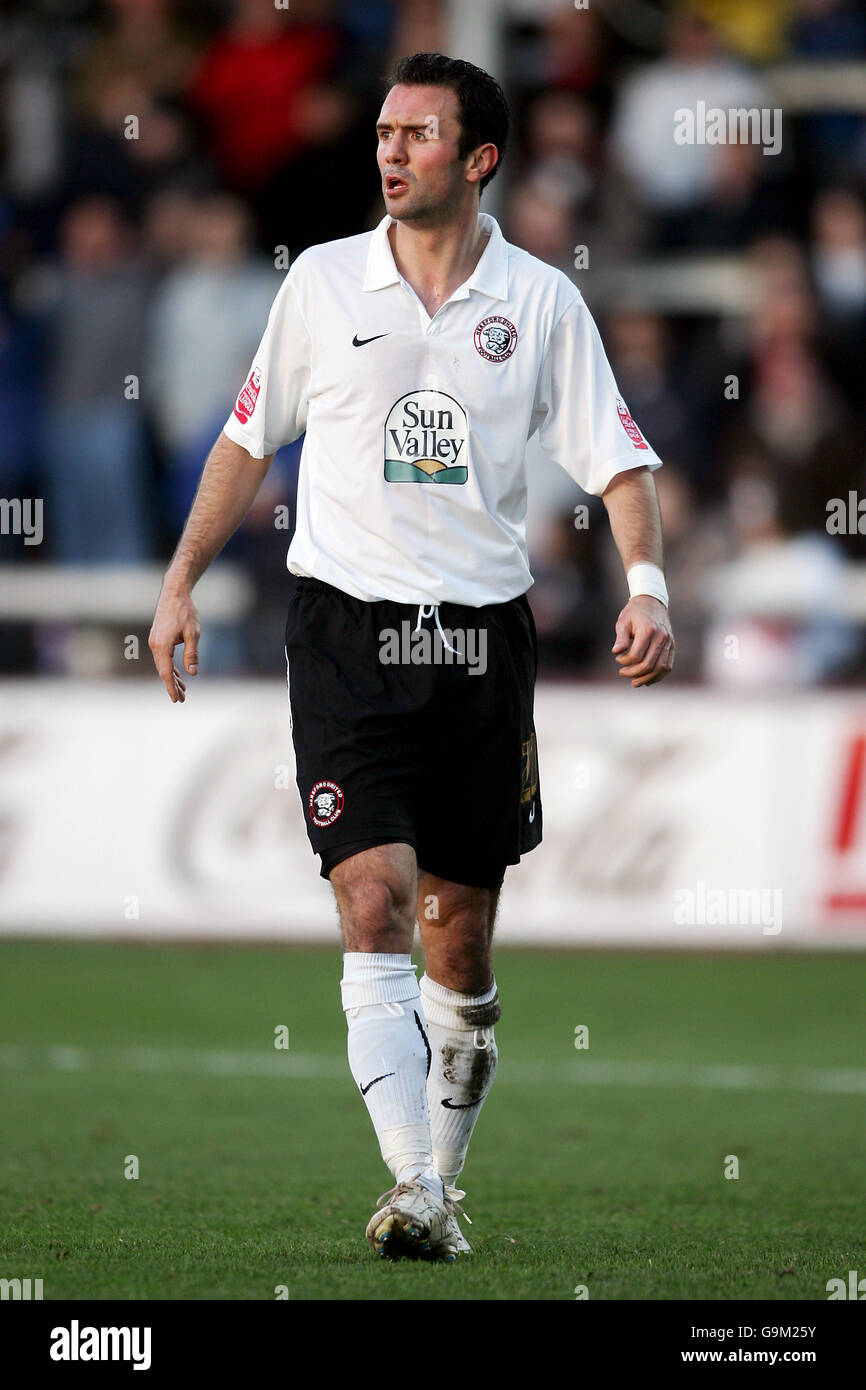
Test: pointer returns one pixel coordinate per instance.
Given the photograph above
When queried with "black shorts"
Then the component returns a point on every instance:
(440, 754)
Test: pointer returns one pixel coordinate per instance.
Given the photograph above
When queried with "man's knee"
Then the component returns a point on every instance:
(464, 914)
(458, 944)
(376, 897)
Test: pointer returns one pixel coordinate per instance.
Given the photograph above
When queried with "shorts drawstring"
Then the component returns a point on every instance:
(427, 610)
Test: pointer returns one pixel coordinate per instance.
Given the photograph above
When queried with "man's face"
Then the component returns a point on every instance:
(423, 180)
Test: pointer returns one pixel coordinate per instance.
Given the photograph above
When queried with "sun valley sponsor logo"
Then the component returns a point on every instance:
(426, 439)
(629, 425)
(76, 1343)
(248, 397)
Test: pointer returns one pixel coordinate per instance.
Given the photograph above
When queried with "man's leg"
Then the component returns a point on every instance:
(389, 1053)
(461, 1005)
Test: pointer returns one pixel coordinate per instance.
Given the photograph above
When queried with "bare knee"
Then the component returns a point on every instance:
(376, 896)
(458, 945)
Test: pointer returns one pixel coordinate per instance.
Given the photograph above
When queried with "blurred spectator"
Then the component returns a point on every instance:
(827, 27)
(798, 423)
(562, 145)
(676, 182)
(31, 113)
(746, 644)
(129, 133)
(140, 40)
(132, 146)
(169, 221)
(208, 317)
(757, 32)
(20, 406)
(568, 52)
(829, 30)
(336, 128)
(794, 419)
(540, 220)
(419, 27)
(97, 481)
(839, 253)
(257, 91)
(838, 256)
(552, 206)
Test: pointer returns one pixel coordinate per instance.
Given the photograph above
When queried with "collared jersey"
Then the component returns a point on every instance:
(412, 483)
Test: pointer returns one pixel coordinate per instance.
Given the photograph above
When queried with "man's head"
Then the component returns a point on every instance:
(442, 133)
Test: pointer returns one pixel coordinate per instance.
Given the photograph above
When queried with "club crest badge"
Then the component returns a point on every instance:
(496, 338)
(326, 803)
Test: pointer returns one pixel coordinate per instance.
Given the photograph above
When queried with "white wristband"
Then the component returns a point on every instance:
(647, 579)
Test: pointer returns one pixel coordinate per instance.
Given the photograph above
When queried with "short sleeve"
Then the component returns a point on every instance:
(271, 408)
(583, 422)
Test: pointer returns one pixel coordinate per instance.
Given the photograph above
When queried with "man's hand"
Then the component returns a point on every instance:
(176, 620)
(644, 644)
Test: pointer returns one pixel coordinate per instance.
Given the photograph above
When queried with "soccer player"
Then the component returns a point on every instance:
(419, 358)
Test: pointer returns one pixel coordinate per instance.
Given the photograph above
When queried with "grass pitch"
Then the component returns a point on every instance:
(602, 1167)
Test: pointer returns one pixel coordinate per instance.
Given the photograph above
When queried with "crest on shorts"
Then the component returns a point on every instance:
(496, 338)
(246, 402)
(326, 803)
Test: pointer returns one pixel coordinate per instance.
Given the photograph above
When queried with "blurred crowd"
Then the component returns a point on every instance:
(162, 164)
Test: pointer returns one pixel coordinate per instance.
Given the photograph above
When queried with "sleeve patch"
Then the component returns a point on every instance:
(629, 425)
(246, 402)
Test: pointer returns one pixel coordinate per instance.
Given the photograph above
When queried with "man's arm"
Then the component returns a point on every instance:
(644, 644)
(226, 491)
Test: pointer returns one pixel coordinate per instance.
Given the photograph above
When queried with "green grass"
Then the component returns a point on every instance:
(252, 1181)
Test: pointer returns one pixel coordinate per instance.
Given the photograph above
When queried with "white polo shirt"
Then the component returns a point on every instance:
(412, 482)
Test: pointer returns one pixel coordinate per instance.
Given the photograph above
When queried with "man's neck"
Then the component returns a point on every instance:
(437, 260)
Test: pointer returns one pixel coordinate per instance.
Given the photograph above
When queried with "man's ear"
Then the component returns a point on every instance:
(481, 161)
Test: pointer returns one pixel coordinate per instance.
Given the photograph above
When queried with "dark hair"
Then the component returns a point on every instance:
(484, 117)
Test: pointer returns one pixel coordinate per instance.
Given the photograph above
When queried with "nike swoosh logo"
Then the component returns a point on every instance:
(449, 1105)
(365, 1089)
(362, 342)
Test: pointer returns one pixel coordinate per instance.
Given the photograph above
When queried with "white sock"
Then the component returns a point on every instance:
(389, 1057)
(460, 1029)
